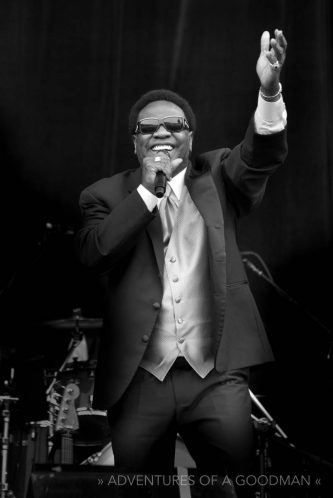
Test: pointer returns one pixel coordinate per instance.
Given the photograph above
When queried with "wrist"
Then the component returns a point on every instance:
(148, 187)
(272, 94)
(148, 197)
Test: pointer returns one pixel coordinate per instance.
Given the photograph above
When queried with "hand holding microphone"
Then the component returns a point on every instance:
(157, 170)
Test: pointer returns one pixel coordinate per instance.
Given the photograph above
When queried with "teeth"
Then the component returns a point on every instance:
(162, 147)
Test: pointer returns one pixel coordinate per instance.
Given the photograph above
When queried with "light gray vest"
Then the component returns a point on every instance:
(184, 324)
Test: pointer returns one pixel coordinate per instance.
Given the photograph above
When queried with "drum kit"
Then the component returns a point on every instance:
(74, 432)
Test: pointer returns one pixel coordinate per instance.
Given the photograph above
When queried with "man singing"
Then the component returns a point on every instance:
(181, 328)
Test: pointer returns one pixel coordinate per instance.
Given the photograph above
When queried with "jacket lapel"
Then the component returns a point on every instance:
(204, 194)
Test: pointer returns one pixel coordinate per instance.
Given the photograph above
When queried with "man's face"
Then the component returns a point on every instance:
(177, 144)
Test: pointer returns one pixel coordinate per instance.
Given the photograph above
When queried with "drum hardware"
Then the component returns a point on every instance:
(69, 393)
(38, 434)
(76, 322)
(6, 401)
(72, 420)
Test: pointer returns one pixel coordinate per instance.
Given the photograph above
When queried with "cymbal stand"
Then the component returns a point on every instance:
(75, 340)
(6, 401)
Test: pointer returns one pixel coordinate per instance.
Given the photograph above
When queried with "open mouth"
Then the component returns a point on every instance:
(161, 147)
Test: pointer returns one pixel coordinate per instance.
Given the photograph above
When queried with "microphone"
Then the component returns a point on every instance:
(160, 184)
(160, 179)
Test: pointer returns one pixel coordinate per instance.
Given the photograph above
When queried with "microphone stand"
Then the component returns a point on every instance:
(264, 428)
(282, 436)
(262, 451)
(291, 300)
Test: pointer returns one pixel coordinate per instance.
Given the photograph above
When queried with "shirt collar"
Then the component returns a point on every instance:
(177, 183)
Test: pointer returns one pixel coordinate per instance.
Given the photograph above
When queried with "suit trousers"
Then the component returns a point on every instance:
(212, 415)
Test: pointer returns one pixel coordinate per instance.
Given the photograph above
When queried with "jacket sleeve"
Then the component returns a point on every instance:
(248, 166)
(110, 229)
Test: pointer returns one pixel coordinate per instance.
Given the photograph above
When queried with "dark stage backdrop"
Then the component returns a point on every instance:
(70, 70)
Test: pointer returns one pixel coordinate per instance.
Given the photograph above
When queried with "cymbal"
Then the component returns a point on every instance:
(79, 322)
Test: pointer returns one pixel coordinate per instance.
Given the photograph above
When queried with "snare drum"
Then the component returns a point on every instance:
(93, 428)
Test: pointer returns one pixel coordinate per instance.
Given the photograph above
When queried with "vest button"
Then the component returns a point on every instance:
(175, 279)
(180, 321)
(156, 306)
(145, 338)
(177, 299)
(172, 259)
(181, 340)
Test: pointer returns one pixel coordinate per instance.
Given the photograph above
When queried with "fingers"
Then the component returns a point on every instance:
(151, 165)
(280, 38)
(274, 48)
(279, 45)
(160, 162)
(264, 42)
(175, 163)
(163, 163)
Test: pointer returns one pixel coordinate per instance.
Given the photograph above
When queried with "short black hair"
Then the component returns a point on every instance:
(161, 94)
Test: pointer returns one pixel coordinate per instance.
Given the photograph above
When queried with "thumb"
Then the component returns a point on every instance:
(176, 162)
(264, 42)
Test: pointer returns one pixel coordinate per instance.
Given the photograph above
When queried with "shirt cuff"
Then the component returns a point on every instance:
(148, 198)
(270, 117)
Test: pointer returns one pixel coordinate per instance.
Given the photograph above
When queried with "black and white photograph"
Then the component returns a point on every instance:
(166, 264)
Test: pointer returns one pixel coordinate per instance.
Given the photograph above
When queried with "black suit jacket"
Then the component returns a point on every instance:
(122, 240)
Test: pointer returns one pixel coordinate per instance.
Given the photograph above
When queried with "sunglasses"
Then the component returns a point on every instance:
(173, 124)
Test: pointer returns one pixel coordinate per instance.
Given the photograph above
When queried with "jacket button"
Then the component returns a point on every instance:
(156, 306)
(145, 338)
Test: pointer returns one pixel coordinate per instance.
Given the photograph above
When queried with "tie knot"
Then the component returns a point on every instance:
(168, 190)
(169, 194)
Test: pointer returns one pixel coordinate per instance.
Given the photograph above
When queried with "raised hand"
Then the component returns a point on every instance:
(270, 62)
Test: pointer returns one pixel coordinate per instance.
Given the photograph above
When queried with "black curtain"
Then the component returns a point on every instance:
(70, 70)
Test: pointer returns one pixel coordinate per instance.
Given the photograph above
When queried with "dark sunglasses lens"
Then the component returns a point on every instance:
(148, 125)
(174, 124)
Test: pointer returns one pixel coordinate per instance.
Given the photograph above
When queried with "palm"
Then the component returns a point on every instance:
(264, 71)
(272, 51)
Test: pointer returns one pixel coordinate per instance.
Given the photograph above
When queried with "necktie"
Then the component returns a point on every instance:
(168, 212)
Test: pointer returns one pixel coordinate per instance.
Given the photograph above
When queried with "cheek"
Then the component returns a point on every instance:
(186, 147)
(140, 149)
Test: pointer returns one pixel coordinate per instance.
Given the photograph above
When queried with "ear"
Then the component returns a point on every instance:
(134, 142)
(190, 140)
